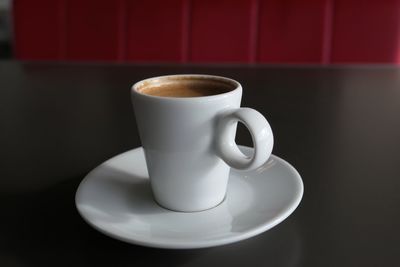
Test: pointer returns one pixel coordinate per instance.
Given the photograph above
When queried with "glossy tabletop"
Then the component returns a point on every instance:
(339, 126)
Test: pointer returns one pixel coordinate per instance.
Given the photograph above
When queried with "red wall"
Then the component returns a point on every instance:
(268, 31)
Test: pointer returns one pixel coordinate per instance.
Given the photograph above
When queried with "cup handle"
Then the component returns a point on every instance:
(261, 134)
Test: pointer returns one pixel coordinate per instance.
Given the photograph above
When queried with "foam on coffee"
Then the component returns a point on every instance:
(188, 87)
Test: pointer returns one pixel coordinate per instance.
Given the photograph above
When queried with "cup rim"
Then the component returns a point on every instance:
(237, 87)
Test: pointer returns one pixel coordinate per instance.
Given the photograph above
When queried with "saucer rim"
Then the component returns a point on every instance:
(166, 243)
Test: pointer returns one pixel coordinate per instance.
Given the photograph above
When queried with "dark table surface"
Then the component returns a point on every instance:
(339, 126)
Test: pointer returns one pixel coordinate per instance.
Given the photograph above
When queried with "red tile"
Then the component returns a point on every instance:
(37, 29)
(220, 31)
(366, 32)
(155, 30)
(92, 30)
(292, 31)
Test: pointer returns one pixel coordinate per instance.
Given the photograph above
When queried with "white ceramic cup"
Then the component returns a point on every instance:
(189, 142)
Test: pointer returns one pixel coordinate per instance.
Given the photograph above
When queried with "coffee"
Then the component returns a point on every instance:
(187, 125)
(185, 87)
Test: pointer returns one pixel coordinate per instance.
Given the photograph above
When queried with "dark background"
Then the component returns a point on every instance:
(338, 126)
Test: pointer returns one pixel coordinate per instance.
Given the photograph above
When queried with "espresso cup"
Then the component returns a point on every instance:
(187, 126)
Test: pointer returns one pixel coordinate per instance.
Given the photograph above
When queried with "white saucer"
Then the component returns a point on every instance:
(116, 199)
